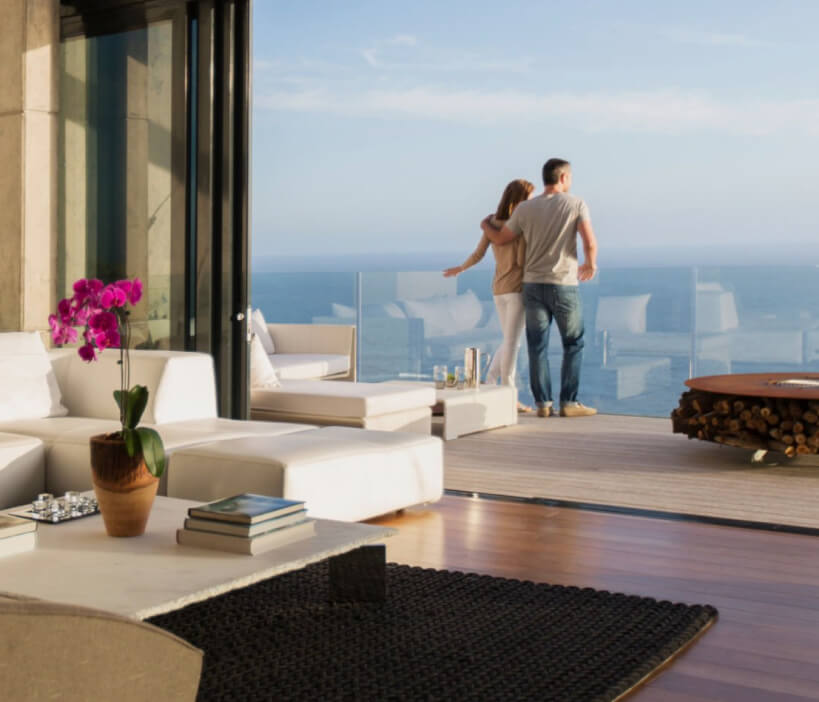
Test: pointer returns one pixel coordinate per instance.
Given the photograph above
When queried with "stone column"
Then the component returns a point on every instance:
(29, 77)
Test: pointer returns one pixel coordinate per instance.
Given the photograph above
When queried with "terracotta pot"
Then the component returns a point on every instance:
(124, 487)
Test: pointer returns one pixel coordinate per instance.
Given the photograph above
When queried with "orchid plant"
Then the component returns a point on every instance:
(101, 312)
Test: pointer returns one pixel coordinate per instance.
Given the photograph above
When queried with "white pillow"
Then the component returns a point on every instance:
(435, 313)
(446, 315)
(622, 313)
(258, 327)
(716, 311)
(29, 386)
(466, 311)
(262, 373)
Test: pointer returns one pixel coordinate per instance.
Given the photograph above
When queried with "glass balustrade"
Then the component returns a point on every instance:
(646, 329)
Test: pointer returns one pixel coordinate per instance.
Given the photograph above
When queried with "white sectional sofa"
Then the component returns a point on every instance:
(46, 447)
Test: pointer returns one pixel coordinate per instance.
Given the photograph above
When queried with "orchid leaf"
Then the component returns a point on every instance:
(131, 441)
(152, 450)
(136, 404)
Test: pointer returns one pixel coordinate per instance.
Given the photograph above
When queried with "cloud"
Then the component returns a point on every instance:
(371, 56)
(662, 111)
(700, 38)
(392, 55)
(402, 40)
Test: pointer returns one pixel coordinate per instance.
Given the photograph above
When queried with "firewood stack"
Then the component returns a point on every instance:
(776, 424)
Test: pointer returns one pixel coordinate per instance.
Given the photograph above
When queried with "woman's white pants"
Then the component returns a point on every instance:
(512, 318)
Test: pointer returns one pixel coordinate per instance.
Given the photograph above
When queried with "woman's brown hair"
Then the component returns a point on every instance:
(516, 192)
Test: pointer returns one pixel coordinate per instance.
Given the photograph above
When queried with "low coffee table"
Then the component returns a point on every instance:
(471, 410)
(77, 563)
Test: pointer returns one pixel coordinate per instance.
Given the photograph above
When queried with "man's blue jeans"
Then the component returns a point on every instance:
(544, 301)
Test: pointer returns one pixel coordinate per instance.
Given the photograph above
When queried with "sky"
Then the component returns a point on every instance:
(393, 127)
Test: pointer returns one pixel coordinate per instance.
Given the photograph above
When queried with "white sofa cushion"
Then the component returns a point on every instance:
(29, 386)
(622, 313)
(181, 384)
(177, 435)
(305, 366)
(328, 398)
(262, 374)
(71, 429)
(67, 449)
(342, 473)
(259, 327)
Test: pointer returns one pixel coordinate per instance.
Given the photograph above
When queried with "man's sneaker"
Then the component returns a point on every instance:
(544, 411)
(575, 409)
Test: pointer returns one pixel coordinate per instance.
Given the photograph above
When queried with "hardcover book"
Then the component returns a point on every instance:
(223, 527)
(9, 525)
(250, 545)
(246, 508)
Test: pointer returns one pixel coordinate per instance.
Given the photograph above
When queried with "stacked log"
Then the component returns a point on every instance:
(776, 424)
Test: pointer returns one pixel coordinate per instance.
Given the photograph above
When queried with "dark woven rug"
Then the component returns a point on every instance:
(440, 635)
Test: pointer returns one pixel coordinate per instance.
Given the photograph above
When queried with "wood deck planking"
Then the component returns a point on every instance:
(633, 462)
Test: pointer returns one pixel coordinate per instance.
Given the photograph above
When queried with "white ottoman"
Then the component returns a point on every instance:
(340, 472)
(382, 406)
(22, 469)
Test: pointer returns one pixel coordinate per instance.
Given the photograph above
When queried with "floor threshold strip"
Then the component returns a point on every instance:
(637, 512)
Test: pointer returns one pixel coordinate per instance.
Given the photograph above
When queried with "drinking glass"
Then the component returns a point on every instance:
(459, 377)
(439, 376)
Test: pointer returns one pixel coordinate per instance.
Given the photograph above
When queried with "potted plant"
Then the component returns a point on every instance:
(126, 464)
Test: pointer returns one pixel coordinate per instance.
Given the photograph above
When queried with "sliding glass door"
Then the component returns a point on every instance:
(153, 170)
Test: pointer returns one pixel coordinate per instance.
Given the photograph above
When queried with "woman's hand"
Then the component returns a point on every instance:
(452, 272)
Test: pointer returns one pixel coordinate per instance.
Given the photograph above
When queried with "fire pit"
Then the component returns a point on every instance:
(760, 411)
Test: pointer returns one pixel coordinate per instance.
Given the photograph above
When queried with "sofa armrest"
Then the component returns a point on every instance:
(315, 338)
(70, 653)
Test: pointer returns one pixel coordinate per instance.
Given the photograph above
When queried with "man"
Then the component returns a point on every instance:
(550, 224)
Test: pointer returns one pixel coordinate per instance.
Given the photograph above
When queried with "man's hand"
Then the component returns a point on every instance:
(497, 236)
(452, 272)
(588, 269)
(486, 224)
(586, 272)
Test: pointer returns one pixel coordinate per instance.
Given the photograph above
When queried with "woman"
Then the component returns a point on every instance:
(507, 286)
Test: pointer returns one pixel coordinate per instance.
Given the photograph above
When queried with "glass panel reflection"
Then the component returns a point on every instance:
(116, 126)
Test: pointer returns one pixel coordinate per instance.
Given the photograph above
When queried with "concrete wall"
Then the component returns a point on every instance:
(29, 80)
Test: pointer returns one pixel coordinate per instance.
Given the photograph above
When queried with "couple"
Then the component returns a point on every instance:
(536, 276)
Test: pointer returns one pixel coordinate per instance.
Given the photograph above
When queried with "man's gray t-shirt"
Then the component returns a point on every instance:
(548, 223)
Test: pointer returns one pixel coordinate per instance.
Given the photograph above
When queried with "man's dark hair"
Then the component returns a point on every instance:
(552, 170)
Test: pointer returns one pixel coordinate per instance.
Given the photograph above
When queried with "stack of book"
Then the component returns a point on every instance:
(246, 523)
(16, 535)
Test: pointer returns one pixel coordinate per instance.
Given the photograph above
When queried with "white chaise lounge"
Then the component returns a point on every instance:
(51, 453)
(302, 392)
(308, 351)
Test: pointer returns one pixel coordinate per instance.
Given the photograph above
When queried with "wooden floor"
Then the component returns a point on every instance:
(765, 646)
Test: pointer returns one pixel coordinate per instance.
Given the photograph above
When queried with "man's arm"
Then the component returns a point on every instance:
(589, 267)
(497, 236)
